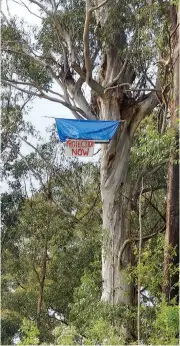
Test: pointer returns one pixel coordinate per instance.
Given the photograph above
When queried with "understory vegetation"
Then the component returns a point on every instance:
(51, 246)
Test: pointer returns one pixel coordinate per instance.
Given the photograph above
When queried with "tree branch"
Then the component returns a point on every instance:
(42, 95)
(35, 57)
(116, 79)
(65, 212)
(36, 174)
(87, 59)
(41, 6)
(78, 97)
(144, 108)
(24, 5)
(149, 189)
(155, 208)
(92, 83)
(89, 210)
(33, 147)
(117, 86)
(77, 112)
(33, 84)
(130, 240)
(36, 272)
(86, 42)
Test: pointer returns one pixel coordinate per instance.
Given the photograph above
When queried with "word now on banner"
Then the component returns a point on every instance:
(81, 147)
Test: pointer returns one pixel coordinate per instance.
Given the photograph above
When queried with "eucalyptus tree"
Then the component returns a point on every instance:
(170, 286)
(120, 50)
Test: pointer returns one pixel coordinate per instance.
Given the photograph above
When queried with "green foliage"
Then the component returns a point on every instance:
(151, 269)
(159, 321)
(72, 287)
(151, 266)
(98, 321)
(165, 325)
(41, 223)
(15, 34)
(104, 333)
(86, 298)
(66, 335)
(151, 147)
(29, 333)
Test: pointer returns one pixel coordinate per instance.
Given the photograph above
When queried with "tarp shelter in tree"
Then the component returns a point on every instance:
(98, 131)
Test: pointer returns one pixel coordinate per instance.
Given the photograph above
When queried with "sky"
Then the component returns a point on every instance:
(40, 108)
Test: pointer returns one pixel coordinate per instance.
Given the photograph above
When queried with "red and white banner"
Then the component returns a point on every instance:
(79, 147)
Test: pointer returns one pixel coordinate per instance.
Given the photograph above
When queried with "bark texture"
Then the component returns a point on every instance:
(172, 218)
(115, 202)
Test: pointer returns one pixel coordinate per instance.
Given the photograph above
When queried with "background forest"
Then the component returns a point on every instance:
(52, 234)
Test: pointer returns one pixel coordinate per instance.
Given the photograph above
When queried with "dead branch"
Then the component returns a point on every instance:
(143, 89)
(157, 168)
(149, 189)
(65, 212)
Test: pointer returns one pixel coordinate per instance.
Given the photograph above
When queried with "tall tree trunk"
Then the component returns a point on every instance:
(116, 196)
(116, 223)
(172, 218)
(114, 167)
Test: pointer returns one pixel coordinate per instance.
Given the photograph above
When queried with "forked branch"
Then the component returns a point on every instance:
(92, 83)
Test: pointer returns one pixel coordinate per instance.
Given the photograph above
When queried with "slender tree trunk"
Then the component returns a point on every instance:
(172, 218)
(41, 287)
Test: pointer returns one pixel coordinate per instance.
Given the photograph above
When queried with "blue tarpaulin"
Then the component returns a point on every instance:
(97, 130)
